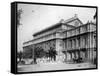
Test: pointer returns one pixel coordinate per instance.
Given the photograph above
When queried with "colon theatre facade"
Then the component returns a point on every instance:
(70, 38)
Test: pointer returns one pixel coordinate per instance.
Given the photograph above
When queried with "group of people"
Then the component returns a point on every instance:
(59, 58)
(44, 60)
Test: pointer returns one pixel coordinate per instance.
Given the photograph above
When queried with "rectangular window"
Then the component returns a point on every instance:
(70, 43)
(78, 41)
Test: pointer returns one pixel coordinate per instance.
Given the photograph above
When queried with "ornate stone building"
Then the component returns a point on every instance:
(70, 38)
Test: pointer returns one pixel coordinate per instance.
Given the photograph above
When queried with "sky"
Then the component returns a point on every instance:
(37, 17)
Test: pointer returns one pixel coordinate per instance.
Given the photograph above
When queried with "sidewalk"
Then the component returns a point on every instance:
(53, 66)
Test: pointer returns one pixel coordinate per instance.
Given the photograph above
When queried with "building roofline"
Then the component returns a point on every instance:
(57, 25)
(48, 28)
(88, 23)
(72, 19)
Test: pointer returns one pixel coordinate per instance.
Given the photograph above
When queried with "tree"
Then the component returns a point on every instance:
(19, 13)
(39, 52)
(52, 53)
(28, 53)
(20, 56)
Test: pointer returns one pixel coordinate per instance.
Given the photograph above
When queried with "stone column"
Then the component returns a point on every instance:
(59, 48)
(68, 56)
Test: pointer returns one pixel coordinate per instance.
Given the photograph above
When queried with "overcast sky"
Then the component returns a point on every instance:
(37, 17)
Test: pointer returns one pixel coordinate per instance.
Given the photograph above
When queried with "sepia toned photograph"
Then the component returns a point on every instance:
(53, 37)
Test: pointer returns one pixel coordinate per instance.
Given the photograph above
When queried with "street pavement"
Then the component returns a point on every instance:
(53, 66)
